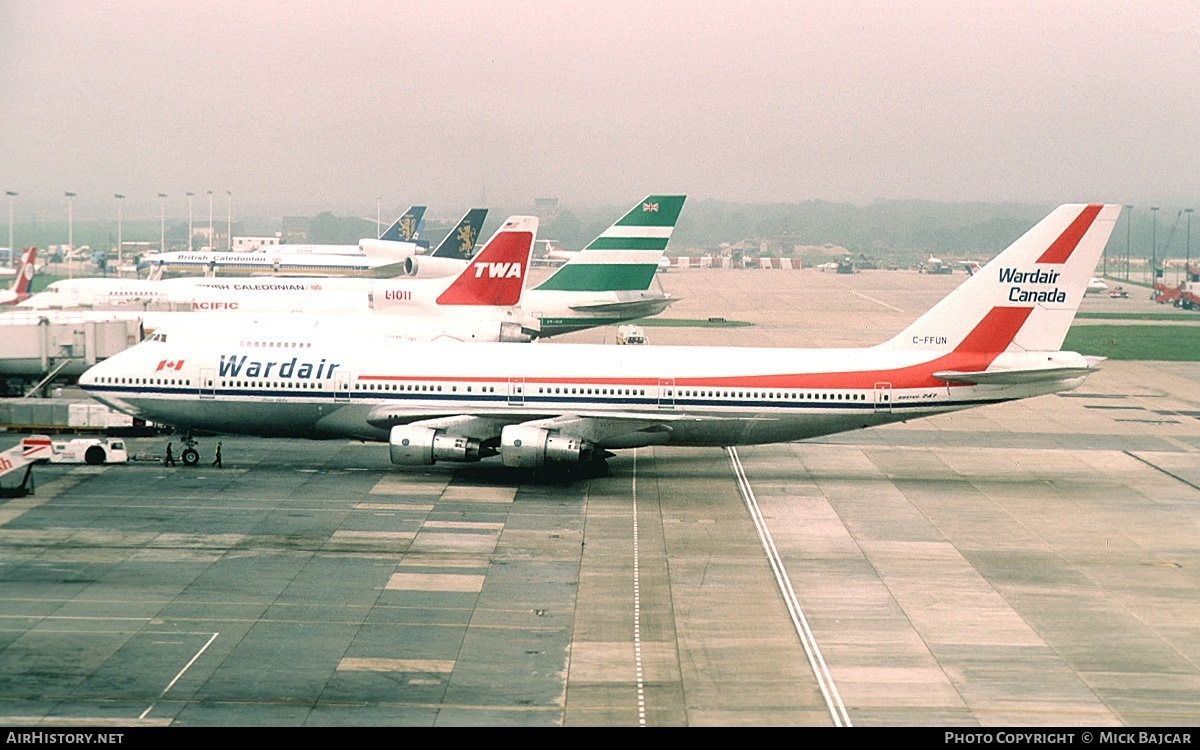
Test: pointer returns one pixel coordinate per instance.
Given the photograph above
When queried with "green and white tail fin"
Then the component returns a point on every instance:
(626, 255)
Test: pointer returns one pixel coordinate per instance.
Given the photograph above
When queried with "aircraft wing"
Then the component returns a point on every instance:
(594, 426)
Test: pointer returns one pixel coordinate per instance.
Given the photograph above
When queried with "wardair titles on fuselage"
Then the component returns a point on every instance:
(232, 368)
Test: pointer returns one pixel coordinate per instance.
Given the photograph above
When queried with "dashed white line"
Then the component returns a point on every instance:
(637, 607)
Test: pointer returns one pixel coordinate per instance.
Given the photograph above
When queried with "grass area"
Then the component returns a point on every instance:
(1130, 282)
(1179, 316)
(1169, 343)
(691, 323)
(41, 281)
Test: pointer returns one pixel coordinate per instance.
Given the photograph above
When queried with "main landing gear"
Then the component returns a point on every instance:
(189, 455)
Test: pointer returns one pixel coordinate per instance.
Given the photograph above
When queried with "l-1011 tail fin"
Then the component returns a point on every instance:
(460, 243)
(497, 274)
(625, 256)
(408, 227)
(1032, 288)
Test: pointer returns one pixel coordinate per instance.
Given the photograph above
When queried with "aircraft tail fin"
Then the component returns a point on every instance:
(460, 243)
(1024, 299)
(496, 277)
(25, 272)
(625, 256)
(408, 227)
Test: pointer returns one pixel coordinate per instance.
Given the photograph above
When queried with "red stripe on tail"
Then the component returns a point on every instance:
(1061, 249)
(995, 332)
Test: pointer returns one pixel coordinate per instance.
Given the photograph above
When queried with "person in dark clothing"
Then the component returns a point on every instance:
(217, 461)
(170, 459)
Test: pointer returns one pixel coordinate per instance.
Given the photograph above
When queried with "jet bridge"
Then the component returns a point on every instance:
(44, 345)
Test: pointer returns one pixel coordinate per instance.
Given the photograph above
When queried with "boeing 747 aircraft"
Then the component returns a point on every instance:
(995, 338)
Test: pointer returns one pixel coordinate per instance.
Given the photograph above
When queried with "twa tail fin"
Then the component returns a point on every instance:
(407, 228)
(625, 257)
(460, 243)
(496, 277)
(25, 273)
(1026, 297)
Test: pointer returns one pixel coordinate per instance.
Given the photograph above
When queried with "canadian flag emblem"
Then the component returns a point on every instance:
(167, 364)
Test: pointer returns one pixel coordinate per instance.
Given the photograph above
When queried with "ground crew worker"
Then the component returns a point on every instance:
(170, 459)
(217, 461)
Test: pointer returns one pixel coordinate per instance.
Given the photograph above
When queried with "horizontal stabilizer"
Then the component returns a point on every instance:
(1014, 377)
(627, 306)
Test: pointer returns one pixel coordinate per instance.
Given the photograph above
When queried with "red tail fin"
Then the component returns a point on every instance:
(496, 276)
(24, 273)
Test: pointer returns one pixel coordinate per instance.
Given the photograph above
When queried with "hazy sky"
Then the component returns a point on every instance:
(301, 105)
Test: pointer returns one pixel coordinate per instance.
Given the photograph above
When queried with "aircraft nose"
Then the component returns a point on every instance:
(89, 375)
(92, 375)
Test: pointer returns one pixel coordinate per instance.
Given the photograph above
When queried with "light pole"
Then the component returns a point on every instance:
(1128, 237)
(229, 219)
(378, 211)
(120, 243)
(189, 196)
(1187, 264)
(1154, 246)
(162, 222)
(70, 234)
(12, 255)
(210, 224)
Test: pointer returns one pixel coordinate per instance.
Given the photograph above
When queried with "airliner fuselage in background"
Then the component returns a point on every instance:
(606, 283)
(480, 304)
(370, 257)
(995, 338)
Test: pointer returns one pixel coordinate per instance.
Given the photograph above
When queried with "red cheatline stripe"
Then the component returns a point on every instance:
(1067, 242)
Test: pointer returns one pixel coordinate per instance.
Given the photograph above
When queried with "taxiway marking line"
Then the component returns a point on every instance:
(637, 607)
(872, 299)
(185, 668)
(833, 699)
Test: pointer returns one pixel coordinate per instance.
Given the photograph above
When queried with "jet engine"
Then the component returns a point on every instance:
(528, 446)
(413, 445)
(515, 333)
(429, 267)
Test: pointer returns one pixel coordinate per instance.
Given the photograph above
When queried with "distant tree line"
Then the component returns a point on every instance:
(883, 229)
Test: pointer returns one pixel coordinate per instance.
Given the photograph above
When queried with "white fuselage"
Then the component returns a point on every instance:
(288, 383)
(374, 256)
(558, 311)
